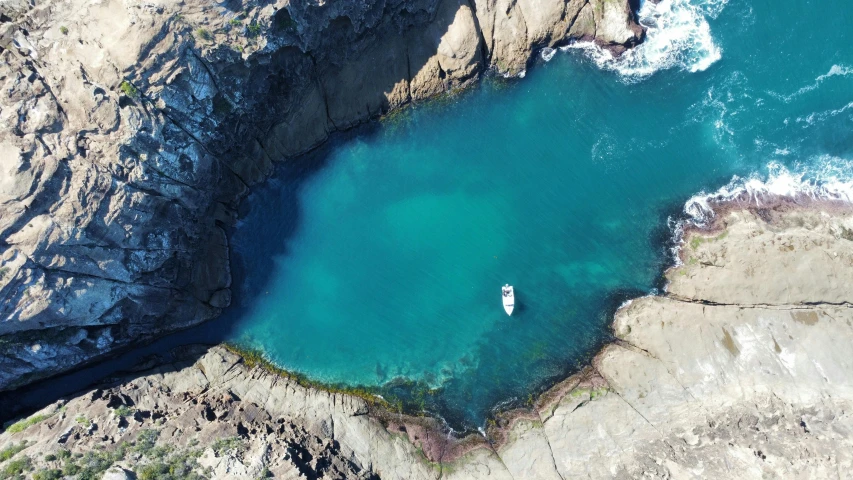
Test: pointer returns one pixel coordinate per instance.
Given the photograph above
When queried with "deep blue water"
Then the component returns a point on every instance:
(380, 257)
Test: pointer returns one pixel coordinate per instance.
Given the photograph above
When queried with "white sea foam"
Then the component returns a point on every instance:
(830, 178)
(677, 36)
(811, 118)
(520, 74)
(723, 108)
(834, 71)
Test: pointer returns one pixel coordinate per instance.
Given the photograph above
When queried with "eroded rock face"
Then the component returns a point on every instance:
(106, 210)
(129, 131)
(512, 29)
(755, 388)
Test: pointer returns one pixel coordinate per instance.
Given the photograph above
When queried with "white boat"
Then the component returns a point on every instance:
(509, 298)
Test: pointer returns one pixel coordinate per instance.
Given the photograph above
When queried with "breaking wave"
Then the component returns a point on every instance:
(677, 36)
(829, 178)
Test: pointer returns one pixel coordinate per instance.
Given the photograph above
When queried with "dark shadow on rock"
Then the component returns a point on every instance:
(99, 378)
(184, 347)
(292, 106)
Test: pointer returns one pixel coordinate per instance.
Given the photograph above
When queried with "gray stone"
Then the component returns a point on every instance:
(117, 473)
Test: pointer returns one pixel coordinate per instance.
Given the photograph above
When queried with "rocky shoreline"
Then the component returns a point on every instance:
(741, 370)
(131, 130)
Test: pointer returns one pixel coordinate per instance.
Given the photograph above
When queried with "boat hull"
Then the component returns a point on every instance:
(508, 295)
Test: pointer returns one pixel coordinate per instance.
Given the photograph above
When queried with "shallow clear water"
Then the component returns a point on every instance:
(382, 255)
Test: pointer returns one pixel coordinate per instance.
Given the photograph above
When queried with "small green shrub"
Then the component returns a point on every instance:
(146, 441)
(124, 411)
(49, 457)
(11, 450)
(154, 471)
(160, 452)
(224, 445)
(83, 421)
(16, 467)
(51, 474)
(94, 464)
(120, 452)
(88, 466)
(253, 29)
(22, 425)
(177, 467)
(128, 89)
(204, 34)
(3, 272)
(234, 22)
(64, 30)
(70, 468)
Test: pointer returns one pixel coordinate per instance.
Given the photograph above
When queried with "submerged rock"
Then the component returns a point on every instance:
(754, 383)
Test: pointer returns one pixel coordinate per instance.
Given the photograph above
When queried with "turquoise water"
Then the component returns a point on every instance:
(381, 256)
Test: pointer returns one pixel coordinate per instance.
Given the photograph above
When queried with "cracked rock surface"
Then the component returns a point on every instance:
(129, 131)
(736, 386)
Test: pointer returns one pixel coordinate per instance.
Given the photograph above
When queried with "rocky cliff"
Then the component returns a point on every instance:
(742, 370)
(129, 130)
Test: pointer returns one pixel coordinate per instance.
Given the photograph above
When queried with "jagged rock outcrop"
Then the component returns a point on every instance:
(512, 29)
(213, 415)
(755, 383)
(129, 131)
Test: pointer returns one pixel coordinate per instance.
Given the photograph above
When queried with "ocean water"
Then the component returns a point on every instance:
(378, 259)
